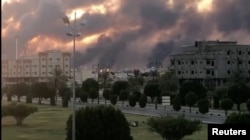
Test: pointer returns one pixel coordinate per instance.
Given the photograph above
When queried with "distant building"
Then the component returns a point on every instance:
(216, 60)
(35, 68)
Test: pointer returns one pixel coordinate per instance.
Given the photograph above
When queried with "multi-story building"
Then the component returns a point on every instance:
(216, 60)
(35, 68)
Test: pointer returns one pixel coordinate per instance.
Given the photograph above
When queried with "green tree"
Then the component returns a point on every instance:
(132, 100)
(6, 91)
(143, 101)
(118, 86)
(216, 101)
(90, 83)
(190, 99)
(177, 103)
(137, 95)
(239, 94)
(236, 118)
(173, 128)
(168, 83)
(106, 93)
(248, 104)
(19, 89)
(221, 92)
(93, 94)
(123, 96)
(83, 96)
(203, 105)
(152, 90)
(18, 111)
(196, 87)
(66, 94)
(56, 82)
(99, 123)
(227, 104)
(41, 90)
(29, 94)
(113, 99)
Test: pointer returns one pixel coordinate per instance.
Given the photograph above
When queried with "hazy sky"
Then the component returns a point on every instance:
(122, 32)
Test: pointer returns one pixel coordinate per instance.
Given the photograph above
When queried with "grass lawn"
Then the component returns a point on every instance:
(49, 124)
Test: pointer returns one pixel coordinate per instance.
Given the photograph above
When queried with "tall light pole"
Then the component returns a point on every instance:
(74, 35)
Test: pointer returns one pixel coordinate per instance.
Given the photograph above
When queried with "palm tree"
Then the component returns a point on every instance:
(57, 81)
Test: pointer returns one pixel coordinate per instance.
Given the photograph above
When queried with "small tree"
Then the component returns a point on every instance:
(216, 101)
(106, 93)
(248, 104)
(143, 101)
(190, 99)
(203, 105)
(19, 111)
(83, 96)
(226, 104)
(173, 128)
(137, 94)
(93, 94)
(177, 103)
(118, 86)
(66, 93)
(132, 100)
(123, 96)
(113, 99)
(29, 95)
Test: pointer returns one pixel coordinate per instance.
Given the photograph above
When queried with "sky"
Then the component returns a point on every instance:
(121, 33)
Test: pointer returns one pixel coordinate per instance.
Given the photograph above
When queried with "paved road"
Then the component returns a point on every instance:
(214, 116)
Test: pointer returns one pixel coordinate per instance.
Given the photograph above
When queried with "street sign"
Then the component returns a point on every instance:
(165, 100)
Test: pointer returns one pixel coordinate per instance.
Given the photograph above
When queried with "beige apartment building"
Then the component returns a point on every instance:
(216, 60)
(35, 68)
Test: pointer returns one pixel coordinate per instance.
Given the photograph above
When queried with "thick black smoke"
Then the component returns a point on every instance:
(159, 28)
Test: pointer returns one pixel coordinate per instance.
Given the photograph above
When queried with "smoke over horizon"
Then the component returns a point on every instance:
(122, 33)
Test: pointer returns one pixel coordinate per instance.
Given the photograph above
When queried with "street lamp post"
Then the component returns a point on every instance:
(74, 35)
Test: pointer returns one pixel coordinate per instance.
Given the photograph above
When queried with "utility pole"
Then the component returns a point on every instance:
(98, 72)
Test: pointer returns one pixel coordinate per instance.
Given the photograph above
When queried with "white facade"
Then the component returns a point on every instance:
(35, 68)
(216, 60)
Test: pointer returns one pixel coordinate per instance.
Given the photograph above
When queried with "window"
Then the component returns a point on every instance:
(66, 66)
(208, 72)
(43, 59)
(179, 72)
(200, 71)
(27, 66)
(240, 62)
(186, 62)
(172, 62)
(43, 73)
(240, 52)
(182, 62)
(248, 62)
(35, 66)
(249, 53)
(212, 73)
(186, 71)
(248, 71)
(66, 59)
(228, 52)
(43, 66)
(228, 62)
(212, 63)
(58, 59)
(179, 62)
(66, 72)
(208, 62)
(27, 73)
(50, 59)
(192, 72)
(35, 73)
(228, 72)
(50, 66)
(201, 62)
(192, 62)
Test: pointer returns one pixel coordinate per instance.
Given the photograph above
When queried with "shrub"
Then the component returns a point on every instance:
(227, 104)
(18, 111)
(236, 118)
(99, 123)
(132, 100)
(203, 105)
(173, 128)
(143, 101)
(177, 103)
